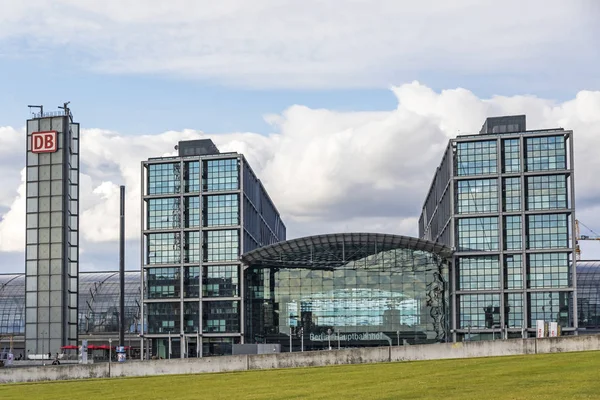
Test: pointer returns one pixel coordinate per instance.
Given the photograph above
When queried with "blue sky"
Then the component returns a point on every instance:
(323, 93)
(154, 103)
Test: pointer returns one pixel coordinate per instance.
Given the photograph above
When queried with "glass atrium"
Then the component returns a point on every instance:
(350, 290)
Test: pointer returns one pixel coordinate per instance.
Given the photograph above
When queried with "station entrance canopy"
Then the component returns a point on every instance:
(355, 289)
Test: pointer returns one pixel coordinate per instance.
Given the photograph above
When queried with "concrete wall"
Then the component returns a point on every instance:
(306, 359)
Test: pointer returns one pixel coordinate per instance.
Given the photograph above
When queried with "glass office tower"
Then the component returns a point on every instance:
(503, 200)
(200, 212)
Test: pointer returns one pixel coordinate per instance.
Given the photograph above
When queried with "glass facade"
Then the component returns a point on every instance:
(194, 236)
(221, 175)
(476, 158)
(479, 273)
(382, 293)
(222, 210)
(503, 200)
(222, 245)
(514, 310)
(513, 232)
(546, 153)
(477, 196)
(98, 310)
(161, 213)
(221, 281)
(478, 234)
(551, 306)
(164, 178)
(546, 192)
(548, 231)
(511, 150)
(513, 269)
(549, 270)
(479, 311)
(512, 194)
(588, 295)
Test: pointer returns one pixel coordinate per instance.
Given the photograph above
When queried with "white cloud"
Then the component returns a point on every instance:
(326, 171)
(309, 43)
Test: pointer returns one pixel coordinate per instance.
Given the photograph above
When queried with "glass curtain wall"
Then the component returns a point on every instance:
(502, 258)
(395, 296)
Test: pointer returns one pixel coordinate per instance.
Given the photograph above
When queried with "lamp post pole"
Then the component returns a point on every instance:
(329, 338)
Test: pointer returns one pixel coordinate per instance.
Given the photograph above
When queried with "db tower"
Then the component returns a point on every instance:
(52, 231)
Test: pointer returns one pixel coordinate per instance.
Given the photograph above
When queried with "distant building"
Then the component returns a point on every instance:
(503, 200)
(200, 212)
(588, 296)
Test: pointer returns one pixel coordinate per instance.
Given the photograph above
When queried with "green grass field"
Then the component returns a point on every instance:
(550, 376)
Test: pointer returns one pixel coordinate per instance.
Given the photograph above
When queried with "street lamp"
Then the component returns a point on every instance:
(329, 337)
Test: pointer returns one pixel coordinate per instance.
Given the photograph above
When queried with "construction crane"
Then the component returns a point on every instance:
(579, 236)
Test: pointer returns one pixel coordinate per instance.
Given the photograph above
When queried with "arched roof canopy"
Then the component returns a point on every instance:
(336, 250)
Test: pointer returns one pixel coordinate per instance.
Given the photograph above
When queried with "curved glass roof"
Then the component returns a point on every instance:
(588, 294)
(98, 302)
(336, 250)
(12, 303)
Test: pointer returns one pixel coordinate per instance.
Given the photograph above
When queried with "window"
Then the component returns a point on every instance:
(163, 283)
(164, 213)
(192, 216)
(221, 175)
(192, 247)
(220, 317)
(548, 270)
(222, 245)
(476, 158)
(514, 310)
(477, 196)
(164, 178)
(191, 316)
(164, 248)
(546, 153)
(550, 306)
(221, 210)
(512, 194)
(163, 317)
(218, 346)
(478, 273)
(191, 281)
(546, 192)
(220, 281)
(478, 234)
(513, 276)
(512, 232)
(512, 155)
(479, 311)
(192, 176)
(548, 231)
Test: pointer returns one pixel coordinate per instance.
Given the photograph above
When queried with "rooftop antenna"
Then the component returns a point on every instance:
(40, 107)
(67, 110)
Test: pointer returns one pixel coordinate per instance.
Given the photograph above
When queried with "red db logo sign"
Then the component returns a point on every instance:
(44, 142)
